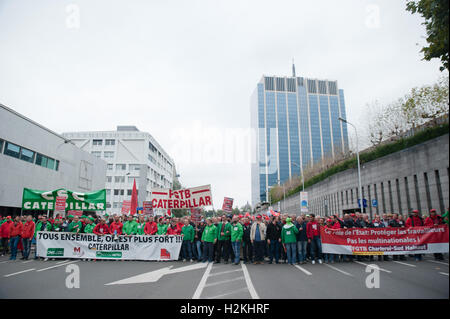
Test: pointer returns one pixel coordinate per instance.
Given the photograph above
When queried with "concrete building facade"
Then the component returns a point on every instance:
(414, 178)
(130, 155)
(33, 156)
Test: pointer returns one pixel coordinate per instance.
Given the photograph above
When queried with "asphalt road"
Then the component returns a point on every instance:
(143, 279)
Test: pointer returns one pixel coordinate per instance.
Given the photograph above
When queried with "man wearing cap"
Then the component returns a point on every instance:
(223, 240)
(4, 234)
(289, 240)
(89, 228)
(258, 237)
(434, 220)
(414, 220)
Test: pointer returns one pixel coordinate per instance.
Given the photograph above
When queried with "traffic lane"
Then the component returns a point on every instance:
(51, 283)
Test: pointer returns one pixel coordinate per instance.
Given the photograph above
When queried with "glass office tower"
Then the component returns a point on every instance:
(296, 121)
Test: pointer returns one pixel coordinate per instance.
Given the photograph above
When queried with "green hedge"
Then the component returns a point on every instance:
(378, 152)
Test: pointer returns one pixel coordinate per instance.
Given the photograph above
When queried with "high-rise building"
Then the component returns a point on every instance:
(297, 124)
(130, 155)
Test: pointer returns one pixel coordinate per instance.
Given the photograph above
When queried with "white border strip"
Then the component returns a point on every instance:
(304, 270)
(20, 272)
(248, 280)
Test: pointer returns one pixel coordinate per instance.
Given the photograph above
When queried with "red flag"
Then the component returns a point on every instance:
(169, 213)
(134, 200)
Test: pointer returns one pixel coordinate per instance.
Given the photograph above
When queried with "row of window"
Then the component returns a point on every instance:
(105, 154)
(108, 142)
(28, 155)
(123, 167)
(288, 84)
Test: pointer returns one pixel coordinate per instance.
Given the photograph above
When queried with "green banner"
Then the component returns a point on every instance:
(45, 200)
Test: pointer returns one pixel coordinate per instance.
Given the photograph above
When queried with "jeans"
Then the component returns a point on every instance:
(14, 243)
(259, 249)
(5, 243)
(316, 248)
(26, 247)
(247, 247)
(208, 251)
(236, 245)
(198, 244)
(301, 248)
(274, 250)
(291, 251)
(186, 249)
(329, 257)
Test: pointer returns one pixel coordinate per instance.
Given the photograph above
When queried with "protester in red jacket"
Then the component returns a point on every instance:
(150, 227)
(4, 234)
(15, 230)
(313, 234)
(414, 220)
(101, 228)
(116, 226)
(27, 236)
(173, 229)
(433, 219)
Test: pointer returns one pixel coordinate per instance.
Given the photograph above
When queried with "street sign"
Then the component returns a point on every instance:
(374, 203)
(364, 203)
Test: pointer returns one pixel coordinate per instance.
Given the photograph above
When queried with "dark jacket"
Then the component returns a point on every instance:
(349, 223)
(273, 232)
(301, 236)
(246, 236)
(360, 223)
(199, 232)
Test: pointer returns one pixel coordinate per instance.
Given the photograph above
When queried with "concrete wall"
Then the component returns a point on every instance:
(78, 170)
(414, 178)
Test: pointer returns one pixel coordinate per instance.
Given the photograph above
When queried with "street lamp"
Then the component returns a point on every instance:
(284, 194)
(357, 158)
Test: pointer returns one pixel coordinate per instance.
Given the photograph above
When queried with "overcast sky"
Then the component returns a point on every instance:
(184, 70)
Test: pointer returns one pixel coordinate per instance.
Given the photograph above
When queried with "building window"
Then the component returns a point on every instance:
(12, 150)
(108, 154)
(97, 154)
(129, 191)
(97, 142)
(57, 165)
(110, 142)
(135, 167)
(269, 84)
(108, 179)
(118, 192)
(119, 179)
(121, 167)
(110, 167)
(26, 155)
(45, 161)
(108, 205)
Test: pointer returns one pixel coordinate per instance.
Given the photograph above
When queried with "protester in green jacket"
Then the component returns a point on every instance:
(130, 226)
(89, 228)
(140, 226)
(237, 232)
(188, 233)
(289, 239)
(226, 234)
(47, 227)
(445, 216)
(75, 226)
(209, 238)
(162, 228)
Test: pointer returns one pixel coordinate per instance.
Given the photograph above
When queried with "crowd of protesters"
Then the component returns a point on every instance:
(281, 239)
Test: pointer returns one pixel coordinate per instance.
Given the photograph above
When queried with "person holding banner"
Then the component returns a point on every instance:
(162, 227)
(140, 227)
(209, 238)
(89, 228)
(188, 233)
(57, 225)
(75, 226)
(101, 228)
(414, 220)
(116, 226)
(236, 237)
(173, 228)
(434, 220)
(130, 226)
(150, 227)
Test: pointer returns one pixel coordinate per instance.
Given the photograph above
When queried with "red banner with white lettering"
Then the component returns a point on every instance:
(385, 241)
(227, 204)
(163, 198)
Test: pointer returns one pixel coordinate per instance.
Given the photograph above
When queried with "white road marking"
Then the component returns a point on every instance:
(26, 262)
(406, 264)
(155, 275)
(6, 261)
(20, 272)
(444, 273)
(223, 281)
(361, 263)
(224, 272)
(438, 262)
(62, 261)
(67, 263)
(340, 270)
(304, 270)
(202, 282)
(248, 280)
(228, 293)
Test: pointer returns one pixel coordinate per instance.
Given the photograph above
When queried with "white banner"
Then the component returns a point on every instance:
(165, 198)
(92, 246)
(304, 202)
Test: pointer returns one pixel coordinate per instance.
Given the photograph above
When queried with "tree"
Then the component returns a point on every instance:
(436, 14)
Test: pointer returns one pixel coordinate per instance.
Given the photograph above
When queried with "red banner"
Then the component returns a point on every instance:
(163, 198)
(196, 215)
(227, 204)
(147, 208)
(385, 241)
(126, 206)
(60, 204)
